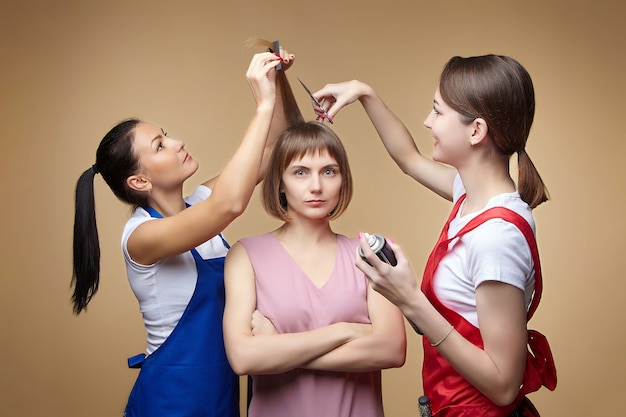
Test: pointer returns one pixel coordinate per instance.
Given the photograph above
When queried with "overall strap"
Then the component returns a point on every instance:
(441, 248)
(514, 218)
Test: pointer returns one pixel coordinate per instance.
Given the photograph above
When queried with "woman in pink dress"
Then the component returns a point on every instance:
(300, 317)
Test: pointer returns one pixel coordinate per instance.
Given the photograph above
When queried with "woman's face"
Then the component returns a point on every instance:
(312, 185)
(451, 134)
(162, 159)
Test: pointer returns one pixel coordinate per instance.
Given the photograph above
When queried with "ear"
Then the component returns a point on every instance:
(478, 132)
(139, 183)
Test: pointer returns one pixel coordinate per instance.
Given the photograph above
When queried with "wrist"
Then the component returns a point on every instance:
(266, 106)
(365, 91)
(411, 309)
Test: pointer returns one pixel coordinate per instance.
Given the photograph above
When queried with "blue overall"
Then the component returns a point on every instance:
(189, 374)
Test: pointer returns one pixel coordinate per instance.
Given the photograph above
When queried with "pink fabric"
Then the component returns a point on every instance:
(294, 304)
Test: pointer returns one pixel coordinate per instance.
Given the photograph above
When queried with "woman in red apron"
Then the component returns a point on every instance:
(483, 280)
(174, 250)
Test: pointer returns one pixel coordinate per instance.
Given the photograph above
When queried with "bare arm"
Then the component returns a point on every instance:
(394, 135)
(232, 190)
(384, 348)
(497, 370)
(278, 124)
(269, 353)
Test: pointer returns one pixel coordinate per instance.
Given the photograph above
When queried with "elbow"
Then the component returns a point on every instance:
(237, 209)
(396, 362)
(230, 211)
(503, 399)
(404, 168)
(399, 358)
(235, 205)
(236, 358)
(239, 370)
(395, 356)
(238, 366)
(505, 395)
(231, 204)
(400, 351)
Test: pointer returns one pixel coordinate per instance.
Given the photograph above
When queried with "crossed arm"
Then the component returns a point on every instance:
(337, 347)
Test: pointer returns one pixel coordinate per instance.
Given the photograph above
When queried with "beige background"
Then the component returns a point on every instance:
(71, 69)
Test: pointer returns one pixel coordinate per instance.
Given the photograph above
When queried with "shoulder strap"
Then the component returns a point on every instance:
(514, 218)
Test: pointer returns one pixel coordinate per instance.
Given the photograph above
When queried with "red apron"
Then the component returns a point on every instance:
(450, 394)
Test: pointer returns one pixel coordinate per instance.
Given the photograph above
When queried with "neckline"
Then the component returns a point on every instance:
(490, 204)
(304, 274)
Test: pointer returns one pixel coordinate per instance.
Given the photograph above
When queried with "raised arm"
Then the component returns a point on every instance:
(282, 112)
(395, 136)
(232, 190)
(269, 353)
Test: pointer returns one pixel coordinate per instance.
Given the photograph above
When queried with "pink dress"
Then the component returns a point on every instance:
(294, 304)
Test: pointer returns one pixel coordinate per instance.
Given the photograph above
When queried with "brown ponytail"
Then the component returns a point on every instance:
(530, 185)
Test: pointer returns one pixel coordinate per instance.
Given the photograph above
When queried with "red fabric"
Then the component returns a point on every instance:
(450, 394)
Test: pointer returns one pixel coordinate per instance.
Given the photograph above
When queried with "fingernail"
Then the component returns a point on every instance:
(390, 240)
(360, 235)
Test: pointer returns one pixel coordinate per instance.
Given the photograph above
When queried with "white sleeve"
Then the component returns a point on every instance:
(201, 192)
(498, 251)
(139, 217)
(458, 189)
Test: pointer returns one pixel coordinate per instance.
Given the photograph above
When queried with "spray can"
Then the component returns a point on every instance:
(424, 406)
(380, 248)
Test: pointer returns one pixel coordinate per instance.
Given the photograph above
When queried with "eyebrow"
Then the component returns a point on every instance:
(333, 165)
(157, 137)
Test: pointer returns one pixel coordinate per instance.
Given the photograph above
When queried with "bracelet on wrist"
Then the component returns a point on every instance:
(443, 338)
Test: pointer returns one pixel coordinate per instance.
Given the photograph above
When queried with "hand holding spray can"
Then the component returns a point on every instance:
(381, 248)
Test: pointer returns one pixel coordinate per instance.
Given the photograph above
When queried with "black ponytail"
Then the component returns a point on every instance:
(86, 271)
(116, 161)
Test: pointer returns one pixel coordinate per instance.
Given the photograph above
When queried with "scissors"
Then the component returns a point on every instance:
(317, 102)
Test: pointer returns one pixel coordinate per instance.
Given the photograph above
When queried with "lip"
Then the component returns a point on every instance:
(315, 203)
(187, 158)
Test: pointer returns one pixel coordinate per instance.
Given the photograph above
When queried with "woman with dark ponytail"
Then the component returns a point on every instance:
(482, 282)
(174, 249)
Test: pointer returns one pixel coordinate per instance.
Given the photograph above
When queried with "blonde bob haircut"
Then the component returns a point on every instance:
(306, 138)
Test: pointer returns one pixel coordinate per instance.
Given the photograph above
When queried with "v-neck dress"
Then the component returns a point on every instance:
(294, 304)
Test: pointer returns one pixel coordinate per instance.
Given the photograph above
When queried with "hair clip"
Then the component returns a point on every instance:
(276, 50)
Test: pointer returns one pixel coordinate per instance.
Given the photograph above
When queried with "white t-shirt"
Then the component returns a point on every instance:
(494, 251)
(164, 288)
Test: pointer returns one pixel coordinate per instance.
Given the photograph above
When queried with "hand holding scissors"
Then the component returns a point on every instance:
(317, 103)
(337, 96)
